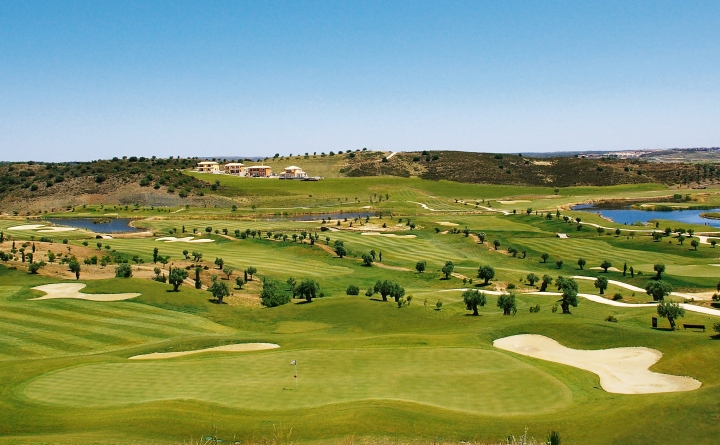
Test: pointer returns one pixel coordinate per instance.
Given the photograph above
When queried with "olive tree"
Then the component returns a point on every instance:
(308, 289)
(671, 311)
(658, 289)
(219, 290)
(605, 265)
(473, 299)
(602, 284)
(569, 289)
(487, 273)
(176, 278)
(448, 269)
(532, 278)
(659, 268)
(507, 303)
(581, 262)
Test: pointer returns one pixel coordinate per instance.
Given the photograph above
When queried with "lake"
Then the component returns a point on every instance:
(115, 225)
(631, 216)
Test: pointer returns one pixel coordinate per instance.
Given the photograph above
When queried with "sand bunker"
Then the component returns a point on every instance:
(610, 269)
(42, 228)
(189, 239)
(445, 223)
(621, 370)
(72, 290)
(514, 202)
(241, 347)
(392, 235)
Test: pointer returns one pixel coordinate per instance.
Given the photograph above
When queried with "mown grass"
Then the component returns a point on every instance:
(367, 368)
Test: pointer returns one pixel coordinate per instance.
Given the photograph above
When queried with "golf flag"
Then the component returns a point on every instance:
(294, 362)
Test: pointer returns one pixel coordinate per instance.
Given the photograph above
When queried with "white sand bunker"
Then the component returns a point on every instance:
(610, 269)
(517, 201)
(621, 370)
(445, 223)
(72, 290)
(189, 239)
(241, 347)
(42, 228)
(392, 235)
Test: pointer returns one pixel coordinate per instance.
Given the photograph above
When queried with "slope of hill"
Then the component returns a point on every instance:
(520, 170)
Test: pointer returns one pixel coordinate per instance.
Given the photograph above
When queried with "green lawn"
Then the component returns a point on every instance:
(367, 369)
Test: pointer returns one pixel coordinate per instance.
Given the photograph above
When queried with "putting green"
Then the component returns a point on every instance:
(470, 380)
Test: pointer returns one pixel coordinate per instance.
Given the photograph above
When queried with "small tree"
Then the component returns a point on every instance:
(605, 265)
(33, 268)
(185, 252)
(532, 278)
(507, 303)
(600, 231)
(198, 283)
(559, 264)
(420, 266)
(270, 296)
(251, 271)
(544, 257)
(176, 278)
(239, 282)
(197, 256)
(546, 281)
(367, 260)
(228, 271)
(681, 238)
(496, 243)
(569, 289)
(448, 269)
(340, 250)
(473, 299)
(487, 273)
(219, 262)
(219, 290)
(581, 262)
(659, 268)
(695, 243)
(308, 289)
(74, 267)
(352, 290)
(671, 311)
(602, 284)
(658, 289)
(155, 255)
(123, 270)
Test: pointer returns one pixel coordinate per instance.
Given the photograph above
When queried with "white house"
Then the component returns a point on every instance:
(208, 167)
(293, 172)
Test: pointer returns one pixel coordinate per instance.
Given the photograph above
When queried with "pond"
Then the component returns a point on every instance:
(631, 216)
(99, 225)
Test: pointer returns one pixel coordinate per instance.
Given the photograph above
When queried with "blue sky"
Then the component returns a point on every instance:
(90, 80)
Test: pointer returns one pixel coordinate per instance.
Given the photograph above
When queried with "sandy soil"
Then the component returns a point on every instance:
(241, 347)
(610, 269)
(189, 239)
(72, 290)
(621, 370)
(42, 228)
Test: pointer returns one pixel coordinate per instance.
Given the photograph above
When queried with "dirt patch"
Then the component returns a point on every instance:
(621, 370)
(72, 291)
(241, 347)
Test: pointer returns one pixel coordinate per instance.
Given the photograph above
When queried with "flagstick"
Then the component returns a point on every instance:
(296, 377)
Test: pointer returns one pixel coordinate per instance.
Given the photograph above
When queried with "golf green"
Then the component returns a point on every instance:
(470, 380)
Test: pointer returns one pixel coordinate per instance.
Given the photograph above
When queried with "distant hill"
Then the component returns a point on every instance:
(32, 187)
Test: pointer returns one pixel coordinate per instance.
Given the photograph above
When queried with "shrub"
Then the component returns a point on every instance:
(511, 286)
(611, 319)
(123, 271)
(617, 297)
(535, 309)
(438, 305)
(716, 327)
(352, 290)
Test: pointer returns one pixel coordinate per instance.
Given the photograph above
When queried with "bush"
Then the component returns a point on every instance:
(511, 286)
(617, 297)
(611, 319)
(535, 309)
(352, 290)
(716, 327)
(123, 271)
